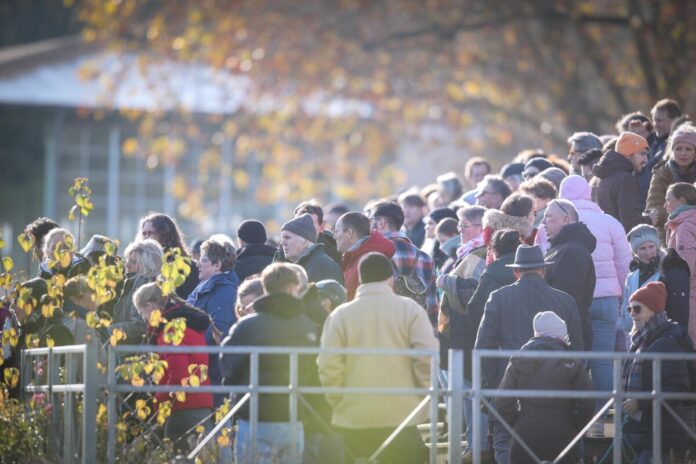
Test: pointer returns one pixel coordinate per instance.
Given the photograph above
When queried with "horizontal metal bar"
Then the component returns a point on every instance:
(69, 388)
(139, 349)
(534, 354)
(585, 394)
(269, 389)
(69, 349)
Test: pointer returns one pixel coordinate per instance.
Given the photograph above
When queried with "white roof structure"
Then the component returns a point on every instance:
(52, 73)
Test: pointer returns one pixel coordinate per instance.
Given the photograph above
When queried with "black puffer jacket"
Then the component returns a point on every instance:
(546, 425)
(279, 320)
(669, 337)
(615, 190)
(573, 270)
(675, 274)
(252, 259)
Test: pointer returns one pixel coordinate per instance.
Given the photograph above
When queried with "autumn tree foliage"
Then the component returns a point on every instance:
(493, 76)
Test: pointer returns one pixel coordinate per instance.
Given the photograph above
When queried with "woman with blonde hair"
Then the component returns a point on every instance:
(143, 261)
(680, 166)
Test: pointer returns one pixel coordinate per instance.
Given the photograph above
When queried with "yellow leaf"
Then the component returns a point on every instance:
(7, 263)
(156, 318)
(10, 336)
(26, 241)
(47, 310)
(50, 342)
(137, 381)
(116, 336)
(92, 319)
(180, 396)
(11, 376)
(200, 429)
(194, 381)
(32, 340)
(223, 440)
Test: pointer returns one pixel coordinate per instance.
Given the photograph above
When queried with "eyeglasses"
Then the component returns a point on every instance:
(635, 309)
(560, 206)
(204, 259)
(464, 226)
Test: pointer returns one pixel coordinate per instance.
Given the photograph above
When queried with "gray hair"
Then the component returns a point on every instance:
(472, 213)
(52, 238)
(567, 207)
(585, 141)
(148, 256)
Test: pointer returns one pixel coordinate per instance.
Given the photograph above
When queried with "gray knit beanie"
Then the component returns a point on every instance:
(302, 226)
(642, 233)
(548, 324)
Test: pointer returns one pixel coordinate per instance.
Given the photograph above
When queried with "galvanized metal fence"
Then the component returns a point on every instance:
(454, 394)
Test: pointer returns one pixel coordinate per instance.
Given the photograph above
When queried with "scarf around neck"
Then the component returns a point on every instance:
(471, 245)
(633, 376)
(680, 209)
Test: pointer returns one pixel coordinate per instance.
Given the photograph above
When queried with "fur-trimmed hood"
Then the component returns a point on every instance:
(497, 220)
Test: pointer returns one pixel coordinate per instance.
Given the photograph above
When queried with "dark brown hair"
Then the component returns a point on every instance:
(222, 253)
(168, 231)
(685, 191)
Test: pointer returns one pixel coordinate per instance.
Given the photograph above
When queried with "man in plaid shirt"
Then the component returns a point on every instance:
(387, 217)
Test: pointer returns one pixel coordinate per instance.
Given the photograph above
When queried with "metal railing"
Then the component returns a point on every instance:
(454, 393)
(63, 360)
(615, 397)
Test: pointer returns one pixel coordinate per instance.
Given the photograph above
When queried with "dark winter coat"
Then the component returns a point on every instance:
(545, 425)
(126, 316)
(278, 320)
(374, 242)
(675, 274)
(615, 190)
(252, 259)
(417, 234)
(192, 280)
(508, 315)
(670, 337)
(79, 266)
(463, 328)
(573, 270)
(319, 265)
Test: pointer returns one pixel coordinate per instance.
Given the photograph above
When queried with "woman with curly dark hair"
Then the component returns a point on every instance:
(164, 229)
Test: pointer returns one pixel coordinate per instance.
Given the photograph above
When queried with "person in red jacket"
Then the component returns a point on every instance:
(354, 239)
(196, 407)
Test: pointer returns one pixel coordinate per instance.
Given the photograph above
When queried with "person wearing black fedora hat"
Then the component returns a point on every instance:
(508, 318)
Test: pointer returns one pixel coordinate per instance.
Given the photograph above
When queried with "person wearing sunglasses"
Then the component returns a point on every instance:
(654, 332)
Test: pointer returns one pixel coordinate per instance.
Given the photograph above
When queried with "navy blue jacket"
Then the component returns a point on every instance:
(217, 296)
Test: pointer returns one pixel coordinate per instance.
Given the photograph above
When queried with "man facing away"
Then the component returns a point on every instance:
(507, 323)
(379, 319)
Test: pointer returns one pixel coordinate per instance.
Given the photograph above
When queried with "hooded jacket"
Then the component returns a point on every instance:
(197, 322)
(612, 254)
(615, 189)
(375, 242)
(681, 235)
(573, 271)
(279, 320)
(252, 259)
(217, 296)
(546, 425)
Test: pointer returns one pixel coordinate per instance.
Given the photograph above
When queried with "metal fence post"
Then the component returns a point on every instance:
(89, 407)
(618, 403)
(294, 422)
(476, 408)
(254, 405)
(111, 407)
(657, 411)
(69, 411)
(53, 379)
(434, 398)
(455, 404)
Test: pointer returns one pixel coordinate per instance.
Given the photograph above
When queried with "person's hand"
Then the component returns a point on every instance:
(639, 127)
(440, 282)
(630, 407)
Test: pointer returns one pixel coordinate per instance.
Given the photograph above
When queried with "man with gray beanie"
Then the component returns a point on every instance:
(298, 239)
(377, 318)
(545, 425)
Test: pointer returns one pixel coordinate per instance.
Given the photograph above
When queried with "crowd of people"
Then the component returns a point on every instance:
(596, 252)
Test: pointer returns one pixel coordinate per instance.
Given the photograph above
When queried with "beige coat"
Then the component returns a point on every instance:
(377, 318)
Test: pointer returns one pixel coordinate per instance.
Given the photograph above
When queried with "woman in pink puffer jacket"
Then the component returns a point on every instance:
(613, 253)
